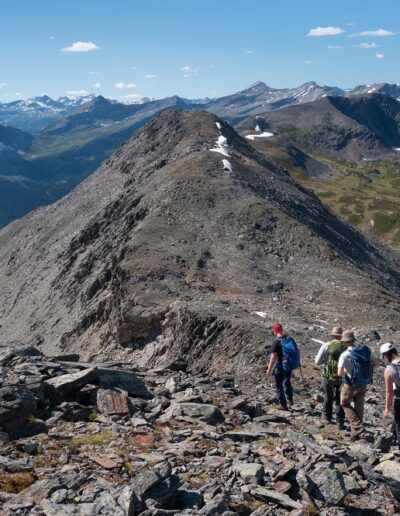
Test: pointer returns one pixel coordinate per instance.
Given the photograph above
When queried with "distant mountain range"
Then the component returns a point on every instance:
(34, 114)
(60, 142)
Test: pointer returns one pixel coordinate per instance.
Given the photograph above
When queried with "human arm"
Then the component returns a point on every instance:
(321, 357)
(341, 369)
(388, 392)
(272, 360)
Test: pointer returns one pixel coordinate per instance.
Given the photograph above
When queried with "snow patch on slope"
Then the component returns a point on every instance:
(262, 135)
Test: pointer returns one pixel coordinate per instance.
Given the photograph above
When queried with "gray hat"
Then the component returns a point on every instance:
(336, 331)
(348, 336)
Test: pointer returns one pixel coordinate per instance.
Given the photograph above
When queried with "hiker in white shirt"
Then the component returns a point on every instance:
(392, 386)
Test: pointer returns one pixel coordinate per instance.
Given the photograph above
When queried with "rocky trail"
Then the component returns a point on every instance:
(88, 439)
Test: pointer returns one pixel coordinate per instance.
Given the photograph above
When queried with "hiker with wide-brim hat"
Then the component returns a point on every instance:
(328, 355)
(355, 366)
(392, 386)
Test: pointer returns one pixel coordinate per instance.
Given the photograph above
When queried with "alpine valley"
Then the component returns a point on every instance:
(342, 144)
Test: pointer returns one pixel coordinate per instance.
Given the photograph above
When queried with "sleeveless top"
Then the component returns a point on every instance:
(394, 370)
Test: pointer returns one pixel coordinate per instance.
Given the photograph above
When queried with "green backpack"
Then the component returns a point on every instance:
(335, 349)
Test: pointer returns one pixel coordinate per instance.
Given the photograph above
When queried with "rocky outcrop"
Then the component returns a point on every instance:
(193, 445)
(162, 256)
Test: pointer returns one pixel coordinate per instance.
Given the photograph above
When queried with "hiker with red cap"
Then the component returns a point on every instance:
(285, 358)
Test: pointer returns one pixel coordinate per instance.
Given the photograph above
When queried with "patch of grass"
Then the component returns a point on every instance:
(365, 194)
(100, 438)
(16, 482)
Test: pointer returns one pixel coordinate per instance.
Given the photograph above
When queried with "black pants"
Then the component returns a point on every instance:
(396, 422)
(331, 395)
(283, 386)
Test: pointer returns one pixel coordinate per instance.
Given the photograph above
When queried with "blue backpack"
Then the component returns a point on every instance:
(290, 354)
(360, 357)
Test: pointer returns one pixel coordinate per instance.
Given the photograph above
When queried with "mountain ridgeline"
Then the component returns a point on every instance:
(353, 128)
(167, 251)
(73, 136)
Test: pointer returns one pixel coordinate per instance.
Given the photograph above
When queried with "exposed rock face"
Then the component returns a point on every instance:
(164, 254)
(353, 128)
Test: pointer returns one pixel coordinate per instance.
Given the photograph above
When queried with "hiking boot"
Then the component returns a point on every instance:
(357, 434)
(341, 425)
(283, 407)
(327, 420)
(290, 403)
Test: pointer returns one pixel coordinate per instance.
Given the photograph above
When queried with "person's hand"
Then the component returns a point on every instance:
(386, 413)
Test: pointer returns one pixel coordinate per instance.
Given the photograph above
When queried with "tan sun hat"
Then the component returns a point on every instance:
(336, 331)
(348, 336)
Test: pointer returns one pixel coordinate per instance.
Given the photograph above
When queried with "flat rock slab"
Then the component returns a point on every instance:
(68, 383)
(152, 458)
(13, 465)
(104, 462)
(296, 437)
(112, 402)
(391, 471)
(250, 472)
(126, 380)
(203, 411)
(269, 495)
(329, 485)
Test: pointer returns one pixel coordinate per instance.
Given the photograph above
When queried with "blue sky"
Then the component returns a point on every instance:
(193, 48)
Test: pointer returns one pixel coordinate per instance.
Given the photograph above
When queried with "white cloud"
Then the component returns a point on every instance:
(366, 45)
(94, 73)
(52, 38)
(380, 33)
(250, 51)
(18, 94)
(134, 67)
(76, 93)
(81, 46)
(3, 84)
(97, 85)
(150, 76)
(125, 85)
(189, 70)
(308, 62)
(334, 46)
(379, 56)
(325, 31)
(212, 66)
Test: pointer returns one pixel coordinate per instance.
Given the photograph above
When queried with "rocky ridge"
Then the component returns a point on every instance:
(91, 439)
(171, 248)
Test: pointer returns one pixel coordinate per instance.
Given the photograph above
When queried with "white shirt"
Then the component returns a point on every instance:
(322, 355)
(345, 361)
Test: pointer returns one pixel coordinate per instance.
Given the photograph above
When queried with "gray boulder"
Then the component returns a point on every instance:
(250, 472)
(328, 484)
(391, 472)
(128, 381)
(68, 383)
(17, 404)
(203, 411)
(113, 402)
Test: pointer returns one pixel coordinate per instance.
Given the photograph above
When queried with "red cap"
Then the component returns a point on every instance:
(277, 327)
